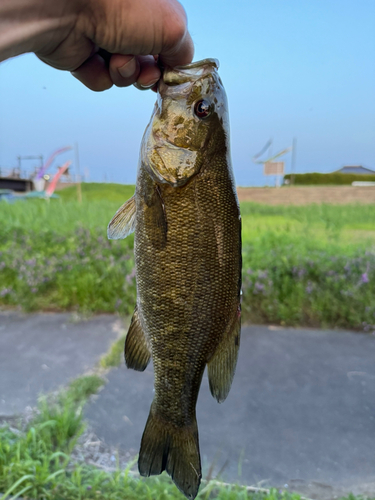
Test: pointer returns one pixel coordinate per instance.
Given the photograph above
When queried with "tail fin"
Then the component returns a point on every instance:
(174, 449)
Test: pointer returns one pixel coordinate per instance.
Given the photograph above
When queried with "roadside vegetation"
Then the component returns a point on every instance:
(312, 265)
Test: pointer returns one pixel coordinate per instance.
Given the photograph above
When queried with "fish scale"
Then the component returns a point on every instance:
(187, 246)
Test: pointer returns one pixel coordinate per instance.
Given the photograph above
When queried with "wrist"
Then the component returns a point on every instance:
(33, 25)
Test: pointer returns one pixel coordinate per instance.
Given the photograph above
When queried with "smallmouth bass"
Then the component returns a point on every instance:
(187, 245)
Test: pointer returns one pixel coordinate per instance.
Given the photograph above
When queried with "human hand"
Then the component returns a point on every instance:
(104, 42)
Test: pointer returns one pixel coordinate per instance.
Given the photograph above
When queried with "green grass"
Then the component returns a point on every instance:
(91, 191)
(83, 387)
(311, 265)
(115, 355)
(99, 204)
(321, 226)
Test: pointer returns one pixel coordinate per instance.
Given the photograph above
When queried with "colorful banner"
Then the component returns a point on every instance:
(46, 166)
(52, 185)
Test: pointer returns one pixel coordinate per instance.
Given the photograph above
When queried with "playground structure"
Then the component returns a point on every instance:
(37, 183)
(41, 175)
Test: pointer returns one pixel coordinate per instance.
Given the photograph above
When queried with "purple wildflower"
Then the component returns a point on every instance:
(129, 277)
(258, 287)
(364, 278)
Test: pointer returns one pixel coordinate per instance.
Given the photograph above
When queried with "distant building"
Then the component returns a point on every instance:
(16, 184)
(355, 169)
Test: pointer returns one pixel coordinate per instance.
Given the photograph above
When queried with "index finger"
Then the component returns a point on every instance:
(177, 48)
(180, 53)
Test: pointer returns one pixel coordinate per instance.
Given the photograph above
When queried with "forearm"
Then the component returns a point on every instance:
(31, 25)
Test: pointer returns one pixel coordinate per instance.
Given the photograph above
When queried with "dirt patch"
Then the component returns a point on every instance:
(305, 195)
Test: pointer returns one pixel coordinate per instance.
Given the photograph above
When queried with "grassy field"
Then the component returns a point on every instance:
(302, 265)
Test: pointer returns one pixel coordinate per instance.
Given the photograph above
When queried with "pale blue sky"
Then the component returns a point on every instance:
(291, 68)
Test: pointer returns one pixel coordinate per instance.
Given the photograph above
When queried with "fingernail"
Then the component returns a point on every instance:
(128, 69)
(149, 85)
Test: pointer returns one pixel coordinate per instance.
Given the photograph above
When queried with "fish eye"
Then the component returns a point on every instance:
(202, 108)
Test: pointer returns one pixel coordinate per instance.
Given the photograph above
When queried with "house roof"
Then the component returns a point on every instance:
(355, 169)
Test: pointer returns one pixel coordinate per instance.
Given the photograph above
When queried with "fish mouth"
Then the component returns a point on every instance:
(189, 72)
(199, 64)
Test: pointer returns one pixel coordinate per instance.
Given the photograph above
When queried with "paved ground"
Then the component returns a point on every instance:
(40, 352)
(301, 410)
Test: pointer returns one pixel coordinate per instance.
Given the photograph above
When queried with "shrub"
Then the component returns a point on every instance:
(328, 179)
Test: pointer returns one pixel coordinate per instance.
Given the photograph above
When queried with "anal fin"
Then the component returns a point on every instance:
(137, 352)
(222, 365)
(123, 222)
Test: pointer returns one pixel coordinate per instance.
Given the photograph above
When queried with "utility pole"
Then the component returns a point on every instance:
(293, 166)
(78, 175)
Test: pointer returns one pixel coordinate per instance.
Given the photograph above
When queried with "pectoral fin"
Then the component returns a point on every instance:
(123, 221)
(137, 352)
(222, 365)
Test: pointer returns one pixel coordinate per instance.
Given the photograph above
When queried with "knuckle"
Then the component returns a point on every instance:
(177, 31)
(175, 24)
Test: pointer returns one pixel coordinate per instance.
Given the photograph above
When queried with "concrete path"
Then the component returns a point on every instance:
(40, 352)
(301, 413)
